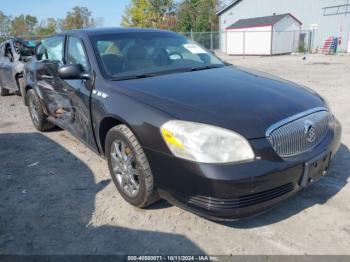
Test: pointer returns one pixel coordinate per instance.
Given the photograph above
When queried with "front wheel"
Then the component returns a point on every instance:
(129, 167)
(36, 112)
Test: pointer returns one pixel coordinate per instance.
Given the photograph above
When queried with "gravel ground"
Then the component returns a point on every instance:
(56, 196)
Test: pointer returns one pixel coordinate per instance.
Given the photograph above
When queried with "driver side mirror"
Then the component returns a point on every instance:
(72, 71)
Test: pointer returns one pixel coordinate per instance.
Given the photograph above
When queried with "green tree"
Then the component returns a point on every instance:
(47, 27)
(79, 17)
(138, 13)
(197, 15)
(163, 13)
(31, 22)
(185, 13)
(18, 26)
(5, 24)
(23, 25)
(150, 13)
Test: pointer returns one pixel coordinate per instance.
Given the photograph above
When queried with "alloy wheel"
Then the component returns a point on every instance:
(125, 168)
(33, 110)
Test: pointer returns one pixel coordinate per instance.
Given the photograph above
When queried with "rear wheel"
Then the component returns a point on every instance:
(36, 112)
(129, 167)
(21, 90)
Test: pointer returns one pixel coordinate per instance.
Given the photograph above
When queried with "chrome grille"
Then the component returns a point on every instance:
(298, 134)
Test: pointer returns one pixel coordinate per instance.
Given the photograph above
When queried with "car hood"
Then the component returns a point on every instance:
(239, 99)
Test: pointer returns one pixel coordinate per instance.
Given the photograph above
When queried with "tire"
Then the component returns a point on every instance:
(4, 91)
(146, 194)
(21, 90)
(36, 112)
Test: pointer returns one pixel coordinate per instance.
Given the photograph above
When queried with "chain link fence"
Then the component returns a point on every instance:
(210, 40)
(302, 41)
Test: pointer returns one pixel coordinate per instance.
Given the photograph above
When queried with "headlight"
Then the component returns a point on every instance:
(205, 143)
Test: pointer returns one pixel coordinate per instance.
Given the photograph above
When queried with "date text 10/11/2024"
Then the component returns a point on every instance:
(172, 258)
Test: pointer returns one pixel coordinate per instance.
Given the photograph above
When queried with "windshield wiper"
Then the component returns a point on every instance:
(163, 72)
(151, 74)
(206, 67)
(137, 76)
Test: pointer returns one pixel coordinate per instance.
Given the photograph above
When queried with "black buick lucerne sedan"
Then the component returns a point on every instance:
(175, 122)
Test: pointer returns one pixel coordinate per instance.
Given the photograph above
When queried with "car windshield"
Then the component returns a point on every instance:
(144, 54)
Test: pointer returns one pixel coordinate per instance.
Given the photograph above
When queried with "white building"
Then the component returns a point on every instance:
(320, 19)
(268, 35)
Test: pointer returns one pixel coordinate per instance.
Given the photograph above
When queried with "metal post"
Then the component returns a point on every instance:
(313, 39)
(294, 50)
(244, 43)
(226, 33)
(211, 40)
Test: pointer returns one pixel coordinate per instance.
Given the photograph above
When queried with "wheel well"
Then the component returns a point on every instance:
(105, 125)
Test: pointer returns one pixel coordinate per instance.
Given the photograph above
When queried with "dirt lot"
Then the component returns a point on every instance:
(56, 196)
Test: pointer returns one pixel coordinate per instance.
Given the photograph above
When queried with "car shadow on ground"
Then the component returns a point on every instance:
(318, 193)
(47, 199)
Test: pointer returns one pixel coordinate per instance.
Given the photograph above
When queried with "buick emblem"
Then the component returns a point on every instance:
(310, 132)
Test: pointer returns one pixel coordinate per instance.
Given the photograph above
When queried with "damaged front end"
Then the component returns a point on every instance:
(14, 55)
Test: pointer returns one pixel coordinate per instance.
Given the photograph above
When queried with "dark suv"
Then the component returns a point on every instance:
(176, 122)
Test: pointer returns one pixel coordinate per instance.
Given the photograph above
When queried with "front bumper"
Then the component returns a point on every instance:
(231, 191)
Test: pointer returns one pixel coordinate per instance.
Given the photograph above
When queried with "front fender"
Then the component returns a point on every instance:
(143, 120)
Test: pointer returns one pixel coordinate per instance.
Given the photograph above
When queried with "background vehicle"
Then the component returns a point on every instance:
(176, 122)
(14, 54)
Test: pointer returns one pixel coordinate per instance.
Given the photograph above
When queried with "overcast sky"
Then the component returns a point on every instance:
(110, 10)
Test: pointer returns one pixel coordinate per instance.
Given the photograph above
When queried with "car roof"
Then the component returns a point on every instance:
(113, 30)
